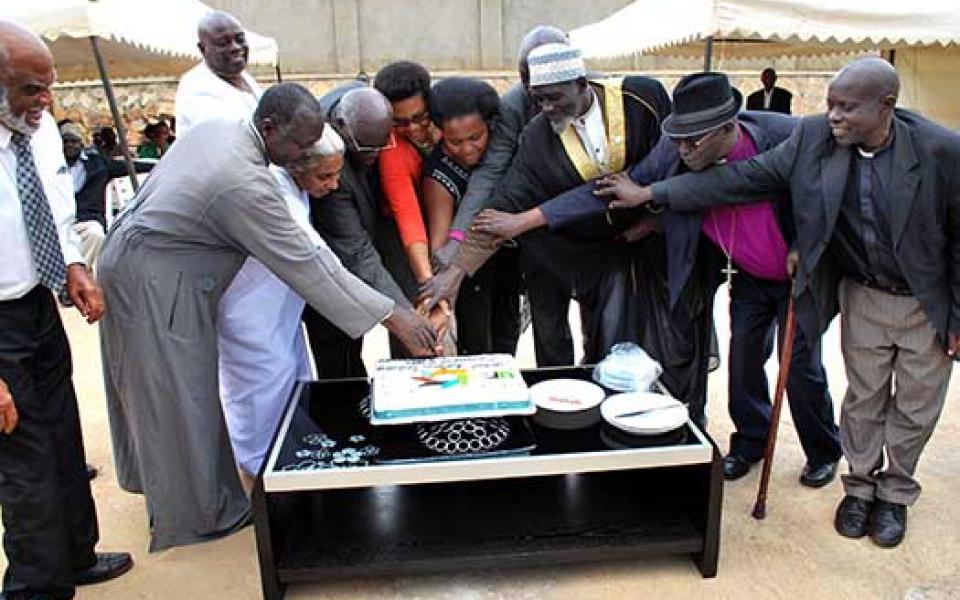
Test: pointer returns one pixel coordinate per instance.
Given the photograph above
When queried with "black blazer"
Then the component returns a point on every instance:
(925, 222)
(682, 229)
(780, 102)
(348, 219)
(92, 197)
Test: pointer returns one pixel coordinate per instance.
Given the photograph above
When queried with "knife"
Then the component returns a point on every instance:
(637, 413)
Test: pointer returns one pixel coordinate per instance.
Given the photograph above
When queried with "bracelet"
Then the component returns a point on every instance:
(456, 235)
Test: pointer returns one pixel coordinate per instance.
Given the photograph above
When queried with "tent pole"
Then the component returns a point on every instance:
(112, 101)
(708, 54)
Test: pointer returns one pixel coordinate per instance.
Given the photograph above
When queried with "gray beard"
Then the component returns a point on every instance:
(14, 122)
(561, 125)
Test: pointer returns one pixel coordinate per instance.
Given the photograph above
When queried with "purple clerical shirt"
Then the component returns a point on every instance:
(749, 233)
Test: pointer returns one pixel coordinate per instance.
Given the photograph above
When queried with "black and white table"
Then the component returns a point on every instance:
(577, 496)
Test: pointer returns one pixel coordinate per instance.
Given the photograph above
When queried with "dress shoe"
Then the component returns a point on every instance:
(109, 565)
(817, 476)
(735, 466)
(888, 523)
(852, 516)
(92, 472)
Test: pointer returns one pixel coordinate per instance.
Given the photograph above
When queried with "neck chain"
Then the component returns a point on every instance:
(728, 271)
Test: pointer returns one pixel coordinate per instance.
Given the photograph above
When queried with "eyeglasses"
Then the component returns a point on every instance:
(358, 147)
(421, 118)
(696, 140)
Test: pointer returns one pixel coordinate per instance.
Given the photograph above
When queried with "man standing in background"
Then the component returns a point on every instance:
(219, 87)
(770, 97)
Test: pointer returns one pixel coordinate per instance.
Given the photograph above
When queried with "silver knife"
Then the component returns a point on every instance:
(637, 413)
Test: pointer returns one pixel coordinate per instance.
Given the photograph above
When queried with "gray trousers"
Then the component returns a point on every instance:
(897, 376)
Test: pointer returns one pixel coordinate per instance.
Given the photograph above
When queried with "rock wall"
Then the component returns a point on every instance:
(143, 101)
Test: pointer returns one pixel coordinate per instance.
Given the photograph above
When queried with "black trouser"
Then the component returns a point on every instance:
(549, 313)
(757, 308)
(488, 307)
(335, 353)
(49, 520)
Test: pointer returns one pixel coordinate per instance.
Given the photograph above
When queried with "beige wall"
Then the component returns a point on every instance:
(344, 36)
(931, 82)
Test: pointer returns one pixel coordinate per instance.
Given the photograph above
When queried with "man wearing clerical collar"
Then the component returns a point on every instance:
(875, 202)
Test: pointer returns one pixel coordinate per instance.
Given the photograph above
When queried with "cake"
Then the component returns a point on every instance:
(455, 387)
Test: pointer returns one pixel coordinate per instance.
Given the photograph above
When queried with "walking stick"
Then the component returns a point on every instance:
(760, 508)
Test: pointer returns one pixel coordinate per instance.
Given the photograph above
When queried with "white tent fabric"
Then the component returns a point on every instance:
(770, 27)
(137, 38)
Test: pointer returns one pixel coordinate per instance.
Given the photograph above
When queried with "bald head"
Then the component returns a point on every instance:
(871, 74)
(26, 74)
(364, 117)
(223, 43)
(860, 103)
(538, 36)
(214, 20)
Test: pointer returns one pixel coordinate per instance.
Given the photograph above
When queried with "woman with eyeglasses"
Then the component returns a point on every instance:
(464, 110)
(407, 86)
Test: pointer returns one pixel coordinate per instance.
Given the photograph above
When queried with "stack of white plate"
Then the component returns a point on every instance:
(567, 403)
(644, 413)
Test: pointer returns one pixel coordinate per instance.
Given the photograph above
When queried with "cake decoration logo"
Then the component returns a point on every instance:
(444, 377)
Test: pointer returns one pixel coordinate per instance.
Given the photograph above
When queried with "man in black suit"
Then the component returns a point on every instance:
(91, 172)
(770, 98)
(876, 200)
(350, 221)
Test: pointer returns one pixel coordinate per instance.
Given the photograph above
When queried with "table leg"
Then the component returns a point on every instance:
(712, 490)
(273, 589)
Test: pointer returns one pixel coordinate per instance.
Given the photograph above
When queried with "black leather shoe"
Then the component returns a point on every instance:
(92, 472)
(852, 516)
(109, 565)
(888, 523)
(735, 466)
(817, 476)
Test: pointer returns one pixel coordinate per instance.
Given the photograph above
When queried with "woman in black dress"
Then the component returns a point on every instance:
(487, 310)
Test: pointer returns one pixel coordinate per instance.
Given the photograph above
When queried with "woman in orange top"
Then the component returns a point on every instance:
(407, 86)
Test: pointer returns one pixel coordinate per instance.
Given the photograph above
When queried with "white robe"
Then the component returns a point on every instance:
(202, 96)
(262, 350)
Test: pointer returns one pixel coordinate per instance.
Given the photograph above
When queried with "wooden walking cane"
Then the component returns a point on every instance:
(786, 354)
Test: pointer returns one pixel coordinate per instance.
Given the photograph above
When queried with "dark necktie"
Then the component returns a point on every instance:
(41, 229)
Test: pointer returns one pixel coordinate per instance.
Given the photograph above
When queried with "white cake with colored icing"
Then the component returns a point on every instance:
(454, 387)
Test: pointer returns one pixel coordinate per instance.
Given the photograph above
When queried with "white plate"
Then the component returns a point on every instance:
(673, 415)
(566, 395)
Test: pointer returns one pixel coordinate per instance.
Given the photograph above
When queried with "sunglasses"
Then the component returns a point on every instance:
(697, 140)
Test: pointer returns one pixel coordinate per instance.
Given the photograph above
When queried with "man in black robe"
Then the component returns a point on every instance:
(589, 128)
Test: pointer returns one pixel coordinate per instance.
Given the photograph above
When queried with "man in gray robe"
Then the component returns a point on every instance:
(209, 204)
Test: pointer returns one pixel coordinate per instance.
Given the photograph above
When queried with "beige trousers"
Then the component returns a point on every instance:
(91, 240)
(897, 376)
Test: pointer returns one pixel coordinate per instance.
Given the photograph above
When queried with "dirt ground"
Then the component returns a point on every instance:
(794, 553)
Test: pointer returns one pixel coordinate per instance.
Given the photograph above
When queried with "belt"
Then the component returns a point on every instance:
(894, 290)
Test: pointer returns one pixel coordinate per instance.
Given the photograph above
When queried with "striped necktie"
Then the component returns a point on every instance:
(41, 229)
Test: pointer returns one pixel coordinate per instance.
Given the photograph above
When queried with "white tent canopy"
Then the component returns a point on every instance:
(769, 27)
(137, 38)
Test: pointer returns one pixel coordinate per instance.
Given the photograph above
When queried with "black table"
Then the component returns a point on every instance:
(577, 496)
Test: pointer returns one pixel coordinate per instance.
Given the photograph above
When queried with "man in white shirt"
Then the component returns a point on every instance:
(219, 87)
(48, 514)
